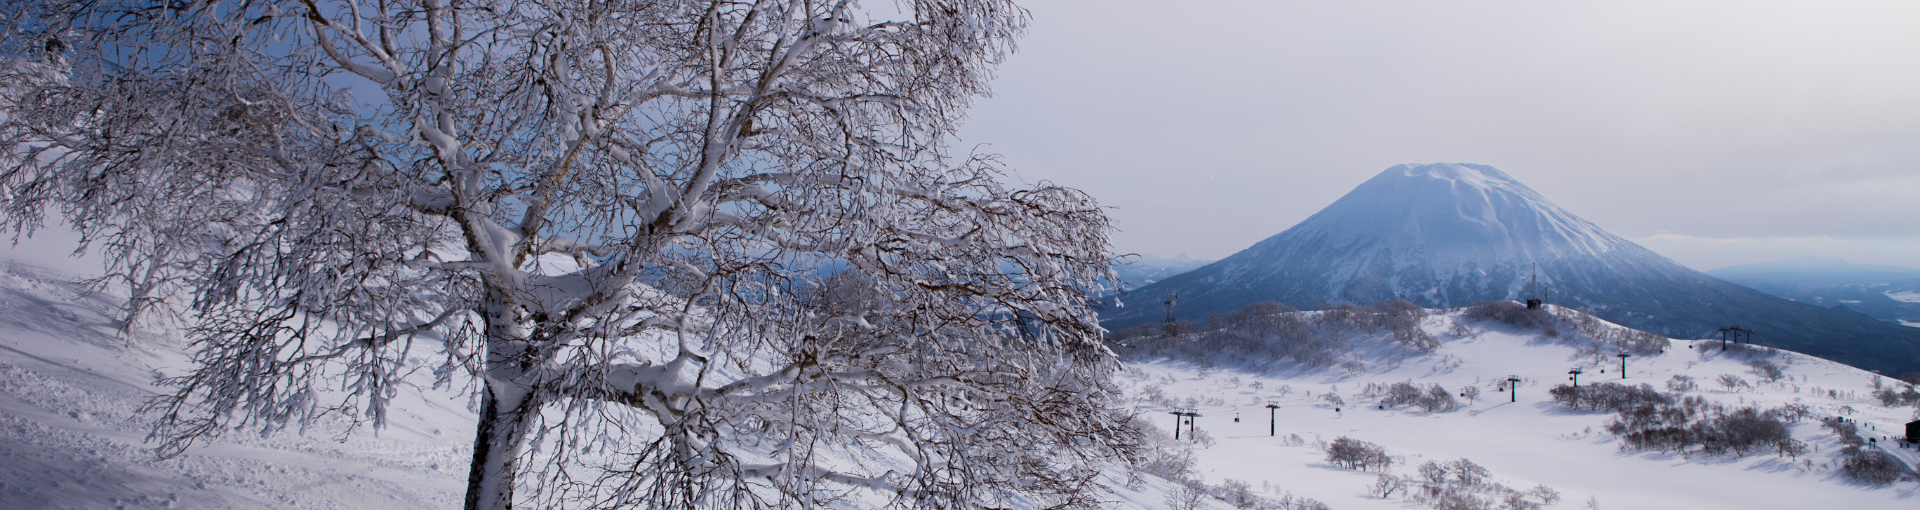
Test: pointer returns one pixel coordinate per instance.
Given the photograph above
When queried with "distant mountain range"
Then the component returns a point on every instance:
(1141, 270)
(1448, 234)
(1888, 293)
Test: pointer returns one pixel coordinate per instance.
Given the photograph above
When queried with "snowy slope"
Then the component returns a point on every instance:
(1450, 234)
(1529, 442)
(70, 436)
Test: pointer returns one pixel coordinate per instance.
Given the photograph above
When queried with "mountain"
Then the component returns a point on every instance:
(1447, 234)
(1816, 271)
(1886, 293)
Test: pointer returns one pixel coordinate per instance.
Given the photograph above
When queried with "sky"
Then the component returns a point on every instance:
(1715, 133)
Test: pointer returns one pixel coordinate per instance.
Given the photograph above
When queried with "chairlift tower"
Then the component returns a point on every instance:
(1623, 364)
(1272, 419)
(1576, 376)
(1171, 300)
(1192, 433)
(1513, 387)
(1177, 416)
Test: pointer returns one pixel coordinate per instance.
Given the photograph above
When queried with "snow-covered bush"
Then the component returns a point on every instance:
(1681, 384)
(1159, 455)
(1396, 394)
(1510, 313)
(1766, 370)
(1545, 494)
(1732, 382)
(1858, 460)
(1694, 422)
(1350, 453)
(1907, 396)
(1203, 438)
(1384, 485)
(1462, 484)
(1259, 335)
(1237, 493)
(1290, 502)
(1186, 496)
(1610, 397)
(1438, 399)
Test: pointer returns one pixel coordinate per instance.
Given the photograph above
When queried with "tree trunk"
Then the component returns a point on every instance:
(496, 448)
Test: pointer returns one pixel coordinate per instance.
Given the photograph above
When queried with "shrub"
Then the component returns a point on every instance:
(1766, 370)
(1873, 467)
(1467, 473)
(1712, 428)
(1732, 382)
(1681, 384)
(1187, 496)
(1610, 397)
(1401, 394)
(1867, 465)
(1350, 453)
(1438, 399)
(1237, 493)
(1462, 484)
(1258, 335)
(1890, 398)
(1384, 485)
(1510, 313)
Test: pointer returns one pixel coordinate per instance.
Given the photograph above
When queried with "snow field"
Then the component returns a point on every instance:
(1532, 441)
(70, 435)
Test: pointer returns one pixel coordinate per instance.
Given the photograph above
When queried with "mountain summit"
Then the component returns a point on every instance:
(1450, 234)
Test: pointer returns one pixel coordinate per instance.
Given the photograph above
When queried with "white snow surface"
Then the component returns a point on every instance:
(1532, 440)
(70, 436)
(1905, 296)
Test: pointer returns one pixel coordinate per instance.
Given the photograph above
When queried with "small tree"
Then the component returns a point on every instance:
(1187, 495)
(680, 230)
(1681, 384)
(1768, 371)
(1352, 453)
(1732, 382)
(1438, 399)
(1471, 393)
(1384, 485)
(1467, 473)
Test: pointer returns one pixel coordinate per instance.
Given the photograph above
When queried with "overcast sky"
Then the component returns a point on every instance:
(1716, 133)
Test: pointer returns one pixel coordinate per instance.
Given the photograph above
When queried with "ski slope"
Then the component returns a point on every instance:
(1523, 438)
(71, 436)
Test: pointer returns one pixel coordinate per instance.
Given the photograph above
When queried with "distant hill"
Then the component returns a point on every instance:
(1446, 234)
(1887, 293)
(1147, 269)
(1816, 271)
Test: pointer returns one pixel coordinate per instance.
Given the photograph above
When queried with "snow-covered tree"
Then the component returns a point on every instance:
(690, 253)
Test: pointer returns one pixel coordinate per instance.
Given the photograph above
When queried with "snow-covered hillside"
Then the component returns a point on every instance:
(1523, 438)
(71, 437)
